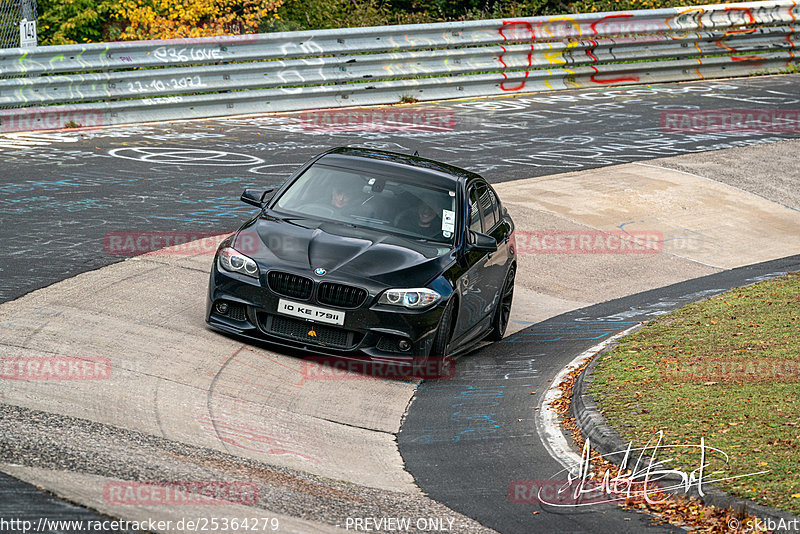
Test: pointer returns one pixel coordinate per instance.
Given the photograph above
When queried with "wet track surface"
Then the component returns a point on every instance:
(468, 440)
(62, 193)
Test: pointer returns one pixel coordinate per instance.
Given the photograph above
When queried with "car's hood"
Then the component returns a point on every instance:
(344, 251)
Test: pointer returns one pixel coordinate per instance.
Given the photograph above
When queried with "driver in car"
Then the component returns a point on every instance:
(346, 197)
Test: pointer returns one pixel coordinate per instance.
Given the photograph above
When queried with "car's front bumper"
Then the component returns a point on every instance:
(370, 331)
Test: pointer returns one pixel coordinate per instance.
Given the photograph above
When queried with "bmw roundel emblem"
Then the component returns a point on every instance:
(319, 271)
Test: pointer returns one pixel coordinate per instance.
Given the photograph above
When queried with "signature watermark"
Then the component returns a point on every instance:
(766, 524)
(640, 474)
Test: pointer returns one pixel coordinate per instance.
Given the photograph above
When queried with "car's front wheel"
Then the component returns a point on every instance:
(503, 309)
(442, 340)
(437, 365)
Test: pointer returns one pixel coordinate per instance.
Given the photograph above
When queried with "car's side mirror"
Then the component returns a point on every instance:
(258, 197)
(481, 242)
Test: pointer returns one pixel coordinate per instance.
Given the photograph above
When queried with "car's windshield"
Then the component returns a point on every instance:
(415, 210)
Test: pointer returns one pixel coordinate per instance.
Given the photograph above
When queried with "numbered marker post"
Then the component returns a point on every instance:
(27, 33)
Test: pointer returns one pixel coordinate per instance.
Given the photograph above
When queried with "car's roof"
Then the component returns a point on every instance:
(345, 155)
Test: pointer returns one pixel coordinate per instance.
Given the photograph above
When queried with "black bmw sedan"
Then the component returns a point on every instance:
(371, 254)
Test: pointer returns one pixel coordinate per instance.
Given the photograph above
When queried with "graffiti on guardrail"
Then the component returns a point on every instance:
(154, 86)
(235, 75)
(589, 42)
(183, 55)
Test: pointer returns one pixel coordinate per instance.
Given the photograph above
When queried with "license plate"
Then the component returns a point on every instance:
(321, 315)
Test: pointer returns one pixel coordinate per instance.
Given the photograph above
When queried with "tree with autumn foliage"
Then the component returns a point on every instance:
(80, 21)
(167, 19)
(76, 21)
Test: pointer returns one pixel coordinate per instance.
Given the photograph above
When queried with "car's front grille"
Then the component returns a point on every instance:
(340, 295)
(316, 333)
(290, 285)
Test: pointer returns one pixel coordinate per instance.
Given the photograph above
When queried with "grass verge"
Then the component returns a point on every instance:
(726, 369)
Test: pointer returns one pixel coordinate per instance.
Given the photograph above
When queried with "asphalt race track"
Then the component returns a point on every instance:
(326, 451)
(468, 440)
(62, 193)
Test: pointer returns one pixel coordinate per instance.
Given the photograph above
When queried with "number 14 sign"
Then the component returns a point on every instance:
(27, 33)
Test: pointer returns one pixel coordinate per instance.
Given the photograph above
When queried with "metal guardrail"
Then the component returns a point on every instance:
(128, 82)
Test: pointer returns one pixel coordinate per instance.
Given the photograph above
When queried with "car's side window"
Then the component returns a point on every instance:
(498, 209)
(474, 210)
(488, 208)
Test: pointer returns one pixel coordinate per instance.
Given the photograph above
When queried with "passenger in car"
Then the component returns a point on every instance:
(422, 219)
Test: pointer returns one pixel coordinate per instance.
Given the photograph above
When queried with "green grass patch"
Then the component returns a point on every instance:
(726, 369)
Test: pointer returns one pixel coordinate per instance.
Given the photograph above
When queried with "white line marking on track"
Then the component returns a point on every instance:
(27, 140)
(547, 423)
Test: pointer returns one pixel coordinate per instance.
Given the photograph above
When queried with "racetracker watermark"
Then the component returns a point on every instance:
(174, 243)
(332, 368)
(731, 370)
(191, 524)
(54, 368)
(179, 493)
(731, 120)
(577, 492)
(380, 120)
(19, 120)
(588, 242)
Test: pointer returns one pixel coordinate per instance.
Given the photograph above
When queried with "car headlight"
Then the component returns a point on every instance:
(410, 298)
(234, 261)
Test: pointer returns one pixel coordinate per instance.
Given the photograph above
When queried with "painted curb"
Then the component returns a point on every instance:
(607, 441)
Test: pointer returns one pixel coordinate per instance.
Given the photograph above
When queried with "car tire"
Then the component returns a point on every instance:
(437, 364)
(442, 339)
(502, 310)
